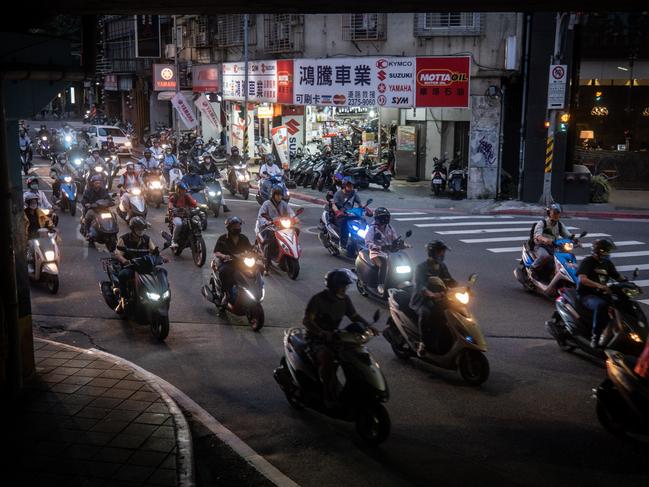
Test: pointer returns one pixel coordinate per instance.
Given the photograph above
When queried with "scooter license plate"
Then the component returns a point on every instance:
(437, 181)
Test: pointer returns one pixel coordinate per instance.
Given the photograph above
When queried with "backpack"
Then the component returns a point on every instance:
(530, 243)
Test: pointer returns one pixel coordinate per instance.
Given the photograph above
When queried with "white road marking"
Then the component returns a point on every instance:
(634, 220)
(466, 224)
(451, 218)
(625, 268)
(489, 230)
(619, 255)
(642, 283)
(406, 213)
(644, 301)
(500, 250)
(519, 237)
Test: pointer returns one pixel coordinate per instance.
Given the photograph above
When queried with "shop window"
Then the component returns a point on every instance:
(448, 24)
(229, 30)
(364, 27)
(283, 33)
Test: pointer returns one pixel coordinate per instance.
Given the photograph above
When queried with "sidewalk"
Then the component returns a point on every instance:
(87, 420)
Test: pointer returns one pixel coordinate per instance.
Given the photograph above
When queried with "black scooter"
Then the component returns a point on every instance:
(104, 228)
(149, 294)
(623, 398)
(571, 323)
(399, 273)
(192, 235)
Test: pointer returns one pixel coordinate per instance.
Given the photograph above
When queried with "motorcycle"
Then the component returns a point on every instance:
(191, 236)
(263, 193)
(457, 182)
(438, 176)
(399, 273)
(47, 260)
(175, 176)
(288, 249)
(362, 176)
(571, 323)
(98, 169)
(246, 295)
(623, 398)
(149, 294)
(361, 394)
(68, 193)
(104, 228)
(356, 225)
(213, 194)
(565, 267)
(25, 160)
(154, 184)
(238, 180)
(43, 146)
(136, 205)
(460, 342)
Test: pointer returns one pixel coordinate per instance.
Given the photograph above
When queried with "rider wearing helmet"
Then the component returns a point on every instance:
(32, 187)
(545, 233)
(593, 274)
(127, 247)
(148, 161)
(234, 159)
(34, 219)
(426, 292)
(344, 199)
(322, 317)
(181, 199)
(131, 178)
(156, 149)
(94, 192)
(273, 208)
(379, 236)
(230, 243)
(94, 160)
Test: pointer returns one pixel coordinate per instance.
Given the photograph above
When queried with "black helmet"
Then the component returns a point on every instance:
(382, 215)
(603, 247)
(31, 180)
(276, 190)
(137, 223)
(434, 246)
(556, 207)
(147, 151)
(231, 220)
(337, 279)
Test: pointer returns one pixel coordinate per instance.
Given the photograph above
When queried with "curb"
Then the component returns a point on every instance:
(577, 213)
(185, 466)
(300, 196)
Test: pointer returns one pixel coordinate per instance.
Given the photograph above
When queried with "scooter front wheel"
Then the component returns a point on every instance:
(111, 243)
(473, 366)
(198, 252)
(609, 418)
(256, 318)
(245, 193)
(53, 284)
(361, 287)
(159, 327)
(292, 267)
(373, 423)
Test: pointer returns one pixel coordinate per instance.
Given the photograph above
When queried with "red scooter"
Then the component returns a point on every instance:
(287, 252)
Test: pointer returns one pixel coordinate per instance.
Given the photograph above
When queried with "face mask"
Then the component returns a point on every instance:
(235, 232)
(139, 233)
(33, 205)
(33, 187)
(340, 293)
(439, 258)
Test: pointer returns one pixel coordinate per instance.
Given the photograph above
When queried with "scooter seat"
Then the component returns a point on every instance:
(402, 298)
(570, 294)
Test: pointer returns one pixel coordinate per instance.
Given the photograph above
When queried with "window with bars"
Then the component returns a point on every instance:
(229, 30)
(364, 27)
(283, 33)
(448, 24)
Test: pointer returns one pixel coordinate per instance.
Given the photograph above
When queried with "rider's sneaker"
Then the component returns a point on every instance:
(594, 342)
(121, 306)
(421, 349)
(173, 246)
(381, 289)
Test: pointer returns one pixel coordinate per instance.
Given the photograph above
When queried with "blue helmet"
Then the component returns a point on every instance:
(182, 185)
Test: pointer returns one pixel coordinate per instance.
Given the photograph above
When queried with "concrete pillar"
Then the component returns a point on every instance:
(483, 147)
(433, 145)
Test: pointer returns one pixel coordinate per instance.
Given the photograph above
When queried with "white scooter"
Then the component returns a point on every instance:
(46, 260)
(175, 175)
(133, 204)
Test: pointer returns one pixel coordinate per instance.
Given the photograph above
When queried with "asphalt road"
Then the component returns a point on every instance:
(532, 423)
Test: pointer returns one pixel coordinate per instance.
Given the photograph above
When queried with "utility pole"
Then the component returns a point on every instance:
(245, 91)
(176, 127)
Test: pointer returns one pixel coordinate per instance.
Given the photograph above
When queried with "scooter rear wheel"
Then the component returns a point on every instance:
(474, 367)
(289, 391)
(373, 423)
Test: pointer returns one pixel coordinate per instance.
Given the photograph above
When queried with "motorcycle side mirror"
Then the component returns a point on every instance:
(329, 196)
(166, 245)
(583, 234)
(472, 279)
(408, 233)
(167, 237)
(299, 211)
(113, 195)
(636, 272)
(377, 315)
(369, 202)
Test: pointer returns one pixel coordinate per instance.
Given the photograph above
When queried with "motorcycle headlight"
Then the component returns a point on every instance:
(153, 296)
(77, 162)
(68, 138)
(250, 295)
(633, 336)
(462, 297)
(45, 211)
(127, 143)
(136, 191)
(49, 255)
(155, 185)
(286, 223)
(568, 246)
(361, 232)
(631, 292)
(202, 205)
(98, 169)
(67, 179)
(106, 215)
(166, 294)
(249, 261)
(402, 269)
(212, 193)
(288, 193)
(218, 193)
(241, 177)
(43, 138)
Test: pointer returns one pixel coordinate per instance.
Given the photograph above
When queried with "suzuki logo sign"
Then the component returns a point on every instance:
(293, 126)
(381, 75)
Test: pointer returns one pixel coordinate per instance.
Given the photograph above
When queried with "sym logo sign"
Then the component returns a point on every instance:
(294, 126)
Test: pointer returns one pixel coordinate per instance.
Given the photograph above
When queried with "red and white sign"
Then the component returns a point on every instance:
(206, 108)
(185, 110)
(443, 82)
(557, 86)
(262, 81)
(205, 78)
(295, 127)
(285, 81)
(280, 141)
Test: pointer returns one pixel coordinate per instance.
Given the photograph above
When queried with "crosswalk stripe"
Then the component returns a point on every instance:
(625, 268)
(487, 230)
(467, 224)
(519, 237)
(500, 250)
(634, 220)
(644, 301)
(492, 217)
(406, 213)
(618, 255)
(642, 283)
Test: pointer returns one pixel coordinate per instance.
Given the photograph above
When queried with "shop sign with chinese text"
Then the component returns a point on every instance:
(262, 81)
(443, 82)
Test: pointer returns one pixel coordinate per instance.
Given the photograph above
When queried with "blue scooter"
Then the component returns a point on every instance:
(357, 228)
(266, 187)
(564, 273)
(68, 195)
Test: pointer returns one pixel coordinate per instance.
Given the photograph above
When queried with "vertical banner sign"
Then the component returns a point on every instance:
(185, 110)
(295, 127)
(280, 142)
(262, 81)
(206, 108)
(147, 36)
(285, 81)
(237, 126)
(443, 82)
(205, 78)
(557, 86)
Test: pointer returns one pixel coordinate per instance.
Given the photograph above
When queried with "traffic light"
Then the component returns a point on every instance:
(546, 124)
(564, 118)
(598, 96)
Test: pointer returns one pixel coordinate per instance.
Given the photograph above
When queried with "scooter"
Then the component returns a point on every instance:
(154, 184)
(238, 180)
(43, 146)
(149, 297)
(356, 225)
(287, 252)
(399, 273)
(247, 294)
(192, 236)
(362, 392)
(457, 183)
(213, 193)
(104, 228)
(47, 260)
(175, 176)
(68, 193)
(564, 273)
(460, 342)
(438, 176)
(24, 160)
(623, 398)
(571, 323)
(264, 191)
(136, 205)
